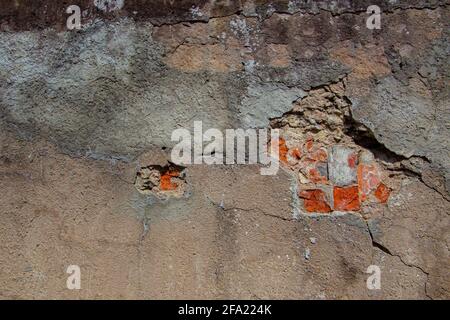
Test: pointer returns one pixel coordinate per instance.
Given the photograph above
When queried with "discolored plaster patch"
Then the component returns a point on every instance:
(215, 58)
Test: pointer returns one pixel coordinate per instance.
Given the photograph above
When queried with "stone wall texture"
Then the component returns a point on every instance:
(86, 177)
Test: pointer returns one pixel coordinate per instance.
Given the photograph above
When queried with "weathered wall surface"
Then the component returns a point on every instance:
(86, 118)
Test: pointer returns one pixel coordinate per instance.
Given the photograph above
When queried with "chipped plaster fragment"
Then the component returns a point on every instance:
(163, 182)
(265, 101)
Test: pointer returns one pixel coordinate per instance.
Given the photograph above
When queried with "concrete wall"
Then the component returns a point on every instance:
(87, 115)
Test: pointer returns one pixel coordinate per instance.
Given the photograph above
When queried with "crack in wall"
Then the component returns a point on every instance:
(385, 250)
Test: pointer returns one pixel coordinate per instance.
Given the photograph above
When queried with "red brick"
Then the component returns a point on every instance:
(315, 175)
(283, 150)
(315, 201)
(368, 179)
(352, 160)
(346, 199)
(296, 153)
(319, 155)
(166, 183)
(309, 145)
(382, 193)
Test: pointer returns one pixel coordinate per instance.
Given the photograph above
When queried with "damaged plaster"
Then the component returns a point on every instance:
(86, 119)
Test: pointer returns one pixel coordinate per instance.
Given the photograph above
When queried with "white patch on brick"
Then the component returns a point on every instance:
(341, 174)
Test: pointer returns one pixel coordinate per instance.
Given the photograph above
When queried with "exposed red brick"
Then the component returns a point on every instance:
(315, 175)
(382, 193)
(319, 155)
(166, 183)
(296, 153)
(309, 145)
(346, 199)
(368, 179)
(315, 201)
(352, 160)
(283, 150)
